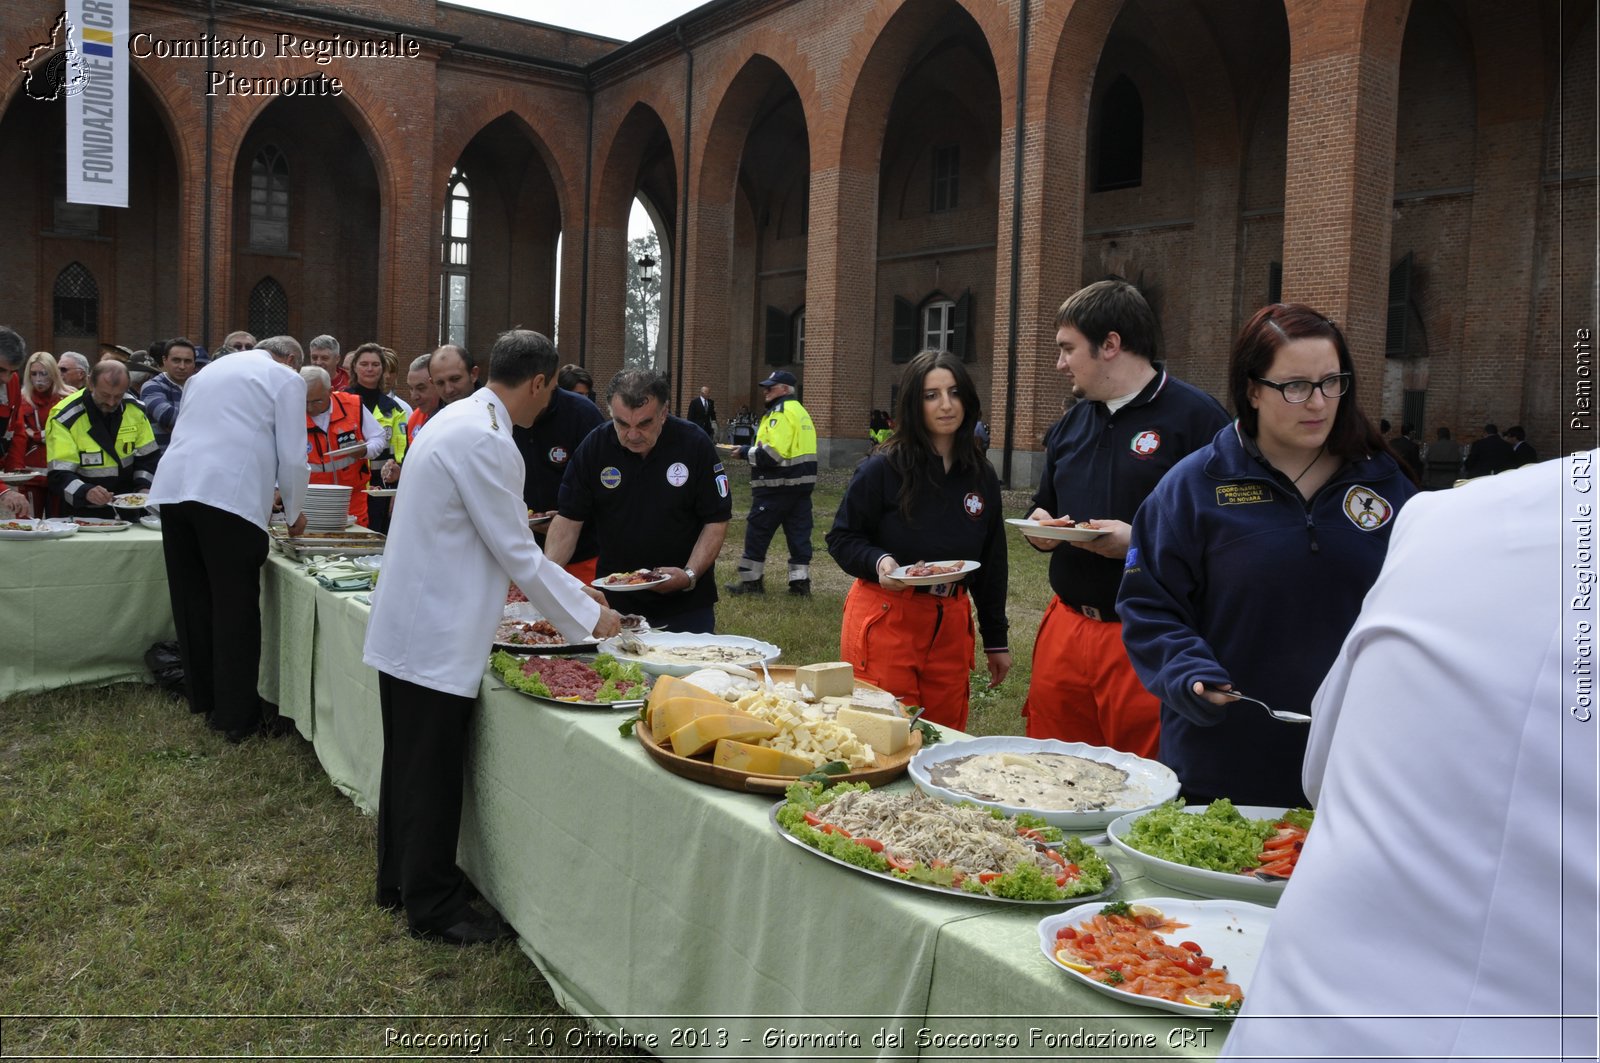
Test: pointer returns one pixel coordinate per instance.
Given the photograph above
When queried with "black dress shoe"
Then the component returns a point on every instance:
(473, 929)
(746, 586)
(800, 586)
(388, 900)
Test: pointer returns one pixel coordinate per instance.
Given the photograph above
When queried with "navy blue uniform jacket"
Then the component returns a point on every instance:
(1233, 578)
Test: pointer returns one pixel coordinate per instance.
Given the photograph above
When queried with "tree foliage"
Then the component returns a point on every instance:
(642, 314)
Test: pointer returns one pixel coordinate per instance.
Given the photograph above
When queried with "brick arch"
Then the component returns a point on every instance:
(619, 169)
(730, 124)
(730, 111)
(502, 103)
(879, 52)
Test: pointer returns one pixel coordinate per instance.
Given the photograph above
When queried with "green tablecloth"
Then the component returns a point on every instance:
(656, 905)
(83, 609)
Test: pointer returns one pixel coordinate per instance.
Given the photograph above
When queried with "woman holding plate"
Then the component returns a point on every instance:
(1250, 559)
(926, 494)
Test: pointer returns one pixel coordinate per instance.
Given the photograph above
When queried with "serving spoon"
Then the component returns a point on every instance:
(1277, 714)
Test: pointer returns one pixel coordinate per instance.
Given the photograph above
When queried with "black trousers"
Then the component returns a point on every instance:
(214, 561)
(419, 801)
(772, 507)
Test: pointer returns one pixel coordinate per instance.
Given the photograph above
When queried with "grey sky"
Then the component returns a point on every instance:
(623, 19)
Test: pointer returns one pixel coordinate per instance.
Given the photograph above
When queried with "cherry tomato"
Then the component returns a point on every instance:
(813, 819)
(871, 843)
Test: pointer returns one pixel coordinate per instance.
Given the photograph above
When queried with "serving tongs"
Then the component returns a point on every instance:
(1282, 715)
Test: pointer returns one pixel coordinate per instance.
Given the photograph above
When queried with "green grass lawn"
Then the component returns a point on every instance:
(149, 868)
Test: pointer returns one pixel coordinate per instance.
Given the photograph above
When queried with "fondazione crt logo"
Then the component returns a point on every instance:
(53, 69)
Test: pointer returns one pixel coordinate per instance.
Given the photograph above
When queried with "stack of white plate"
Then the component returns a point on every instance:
(327, 507)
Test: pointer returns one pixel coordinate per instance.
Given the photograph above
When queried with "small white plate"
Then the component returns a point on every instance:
(1230, 932)
(20, 477)
(382, 492)
(130, 501)
(540, 520)
(100, 524)
(353, 448)
(932, 581)
(153, 523)
(1047, 531)
(603, 585)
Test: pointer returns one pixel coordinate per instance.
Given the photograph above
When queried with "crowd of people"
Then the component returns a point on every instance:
(1219, 554)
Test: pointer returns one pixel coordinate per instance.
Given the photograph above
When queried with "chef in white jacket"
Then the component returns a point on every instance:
(460, 530)
(241, 430)
(1445, 903)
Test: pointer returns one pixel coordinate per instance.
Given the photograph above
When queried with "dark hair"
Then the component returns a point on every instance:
(167, 345)
(1407, 428)
(1111, 306)
(573, 375)
(636, 387)
(910, 449)
(1443, 433)
(1516, 432)
(519, 355)
(1490, 430)
(386, 358)
(12, 349)
(1352, 436)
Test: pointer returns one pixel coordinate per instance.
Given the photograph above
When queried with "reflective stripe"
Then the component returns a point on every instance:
(335, 465)
(797, 481)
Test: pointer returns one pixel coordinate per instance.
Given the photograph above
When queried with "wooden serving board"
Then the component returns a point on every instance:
(700, 769)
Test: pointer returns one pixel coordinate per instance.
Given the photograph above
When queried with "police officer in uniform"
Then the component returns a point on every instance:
(657, 495)
(547, 447)
(99, 443)
(783, 473)
(1102, 459)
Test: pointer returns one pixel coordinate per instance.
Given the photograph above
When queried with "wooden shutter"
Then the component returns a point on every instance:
(1274, 282)
(905, 330)
(961, 328)
(1394, 336)
(777, 337)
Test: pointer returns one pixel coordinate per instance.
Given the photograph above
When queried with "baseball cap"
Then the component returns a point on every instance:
(780, 377)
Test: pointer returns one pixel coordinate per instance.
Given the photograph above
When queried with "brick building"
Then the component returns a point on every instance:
(840, 182)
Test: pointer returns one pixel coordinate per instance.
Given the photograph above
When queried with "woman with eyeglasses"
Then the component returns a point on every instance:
(1250, 559)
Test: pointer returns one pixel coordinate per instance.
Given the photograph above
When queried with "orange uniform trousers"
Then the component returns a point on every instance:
(584, 570)
(1084, 689)
(916, 646)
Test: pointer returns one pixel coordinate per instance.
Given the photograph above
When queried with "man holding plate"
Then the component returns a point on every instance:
(459, 506)
(1102, 459)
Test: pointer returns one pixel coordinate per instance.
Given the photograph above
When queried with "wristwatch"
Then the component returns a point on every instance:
(694, 577)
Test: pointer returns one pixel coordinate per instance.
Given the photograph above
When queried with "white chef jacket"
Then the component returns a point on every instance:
(374, 434)
(240, 431)
(459, 529)
(1449, 879)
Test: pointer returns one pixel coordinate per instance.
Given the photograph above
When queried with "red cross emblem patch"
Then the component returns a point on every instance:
(1145, 443)
(973, 504)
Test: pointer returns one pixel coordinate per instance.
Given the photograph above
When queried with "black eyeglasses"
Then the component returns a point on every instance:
(239, 345)
(1298, 391)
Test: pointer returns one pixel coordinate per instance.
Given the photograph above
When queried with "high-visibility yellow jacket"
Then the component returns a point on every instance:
(82, 454)
(785, 451)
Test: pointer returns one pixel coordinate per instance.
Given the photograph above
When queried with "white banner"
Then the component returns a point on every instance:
(97, 116)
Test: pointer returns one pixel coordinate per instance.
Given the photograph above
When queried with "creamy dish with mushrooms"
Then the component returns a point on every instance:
(1055, 782)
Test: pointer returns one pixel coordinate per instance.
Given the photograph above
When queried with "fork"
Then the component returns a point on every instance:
(1277, 714)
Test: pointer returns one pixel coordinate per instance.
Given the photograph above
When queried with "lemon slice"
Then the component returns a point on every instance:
(1202, 999)
(1072, 961)
(1141, 911)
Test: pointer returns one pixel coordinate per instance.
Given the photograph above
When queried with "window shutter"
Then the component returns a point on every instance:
(1394, 338)
(1274, 282)
(777, 336)
(905, 330)
(961, 327)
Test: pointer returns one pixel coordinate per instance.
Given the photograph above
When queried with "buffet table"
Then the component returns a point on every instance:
(83, 609)
(667, 909)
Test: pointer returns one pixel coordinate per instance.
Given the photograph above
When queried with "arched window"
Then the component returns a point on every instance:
(269, 309)
(1119, 138)
(76, 301)
(269, 201)
(456, 253)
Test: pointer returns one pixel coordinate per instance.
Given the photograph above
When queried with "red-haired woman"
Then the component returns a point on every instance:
(1250, 560)
(926, 494)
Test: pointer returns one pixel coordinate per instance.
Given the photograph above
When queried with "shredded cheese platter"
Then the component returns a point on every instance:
(909, 839)
(757, 740)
